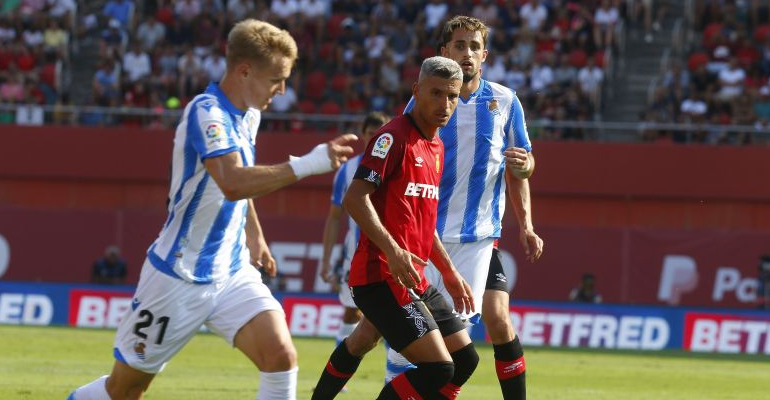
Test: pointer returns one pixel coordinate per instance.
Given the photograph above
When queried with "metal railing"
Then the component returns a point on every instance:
(596, 129)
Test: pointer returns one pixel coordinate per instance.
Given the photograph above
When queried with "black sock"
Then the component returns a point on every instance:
(341, 366)
(511, 369)
(422, 382)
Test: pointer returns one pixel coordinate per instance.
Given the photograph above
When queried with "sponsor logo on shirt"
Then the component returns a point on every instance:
(421, 190)
(382, 145)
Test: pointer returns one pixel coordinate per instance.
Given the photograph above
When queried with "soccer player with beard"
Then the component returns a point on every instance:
(394, 198)
(487, 151)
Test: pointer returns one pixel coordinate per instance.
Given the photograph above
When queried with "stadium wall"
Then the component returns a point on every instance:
(657, 224)
(550, 324)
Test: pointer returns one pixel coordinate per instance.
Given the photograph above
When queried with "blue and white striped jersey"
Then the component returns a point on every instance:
(203, 239)
(342, 180)
(471, 200)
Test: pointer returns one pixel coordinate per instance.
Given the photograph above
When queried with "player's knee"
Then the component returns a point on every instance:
(280, 358)
(359, 342)
(433, 375)
(466, 360)
(499, 326)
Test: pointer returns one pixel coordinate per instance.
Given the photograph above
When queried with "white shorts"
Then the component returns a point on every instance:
(346, 298)
(167, 312)
(472, 262)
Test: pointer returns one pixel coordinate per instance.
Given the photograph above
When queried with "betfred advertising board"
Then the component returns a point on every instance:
(548, 324)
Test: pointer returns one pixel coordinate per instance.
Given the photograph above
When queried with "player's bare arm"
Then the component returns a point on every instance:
(238, 182)
(520, 162)
(519, 196)
(331, 232)
(359, 206)
(261, 257)
(458, 288)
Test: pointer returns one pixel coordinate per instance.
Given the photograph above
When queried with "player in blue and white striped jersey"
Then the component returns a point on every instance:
(200, 270)
(487, 152)
(342, 179)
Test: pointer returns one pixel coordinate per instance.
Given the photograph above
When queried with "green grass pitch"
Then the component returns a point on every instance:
(48, 362)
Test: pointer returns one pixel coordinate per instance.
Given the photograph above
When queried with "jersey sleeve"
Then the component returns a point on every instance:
(516, 126)
(210, 130)
(339, 187)
(383, 155)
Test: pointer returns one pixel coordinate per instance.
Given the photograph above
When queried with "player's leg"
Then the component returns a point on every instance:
(345, 359)
(150, 335)
(251, 319)
(457, 341)
(352, 315)
(405, 321)
(509, 355)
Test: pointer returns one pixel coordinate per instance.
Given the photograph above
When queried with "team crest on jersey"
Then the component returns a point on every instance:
(214, 130)
(382, 145)
(139, 350)
(493, 106)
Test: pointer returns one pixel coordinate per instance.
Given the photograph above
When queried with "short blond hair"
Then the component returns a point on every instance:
(258, 41)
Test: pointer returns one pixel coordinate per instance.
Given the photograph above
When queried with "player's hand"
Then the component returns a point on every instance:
(461, 292)
(326, 272)
(533, 245)
(401, 265)
(339, 149)
(517, 159)
(262, 258)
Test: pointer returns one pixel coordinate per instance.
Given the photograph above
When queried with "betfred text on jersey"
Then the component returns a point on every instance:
(421, 190)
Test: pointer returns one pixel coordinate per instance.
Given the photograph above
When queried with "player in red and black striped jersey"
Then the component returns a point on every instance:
(394, 200)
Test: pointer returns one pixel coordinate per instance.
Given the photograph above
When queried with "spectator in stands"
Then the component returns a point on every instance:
(605, 19)
(110, 269)
(693, 109)
(106, 83)
(586, 291)
(33, 34)
(189, 70)
(486, 11)
(12, 90)
(590, 78)
(56, 40)
(215, 65)
(402, 42)
(136, 64)
(63, 11)
(565, 74)
(150, 32)
(731, 81)
(284, 10)
(121, 11)
(187, 10)
(435, 11)
(676, 76)
(114, 40)
(238, 10)
(534, 14)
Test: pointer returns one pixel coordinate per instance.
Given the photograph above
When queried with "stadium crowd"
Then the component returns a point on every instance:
(356, 56)
(722, 81)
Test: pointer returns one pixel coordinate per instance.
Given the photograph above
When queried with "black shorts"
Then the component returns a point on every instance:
(496, 279)
(401, 326)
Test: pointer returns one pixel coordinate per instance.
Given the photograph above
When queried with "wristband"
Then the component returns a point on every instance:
(313, 163)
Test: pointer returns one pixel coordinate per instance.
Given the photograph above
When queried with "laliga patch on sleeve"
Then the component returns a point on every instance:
(215, 132)
(382, 145)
